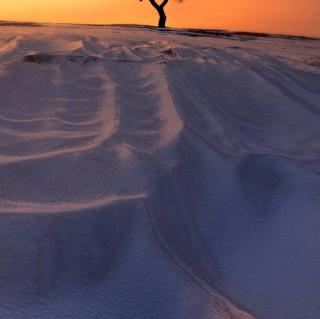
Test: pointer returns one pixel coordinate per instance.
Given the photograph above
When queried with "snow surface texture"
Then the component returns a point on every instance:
(146, 174)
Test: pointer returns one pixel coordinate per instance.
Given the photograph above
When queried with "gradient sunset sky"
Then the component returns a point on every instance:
(276, 16)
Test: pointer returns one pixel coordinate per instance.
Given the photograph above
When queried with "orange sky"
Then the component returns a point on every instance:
(278, 16)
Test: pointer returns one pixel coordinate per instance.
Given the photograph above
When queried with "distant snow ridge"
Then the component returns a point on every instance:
(314, 61)
(149, 174)
(50, 58)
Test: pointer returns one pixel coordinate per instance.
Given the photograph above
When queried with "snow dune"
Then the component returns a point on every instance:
(146, 174)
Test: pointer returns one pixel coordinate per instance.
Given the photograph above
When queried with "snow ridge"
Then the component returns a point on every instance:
(154, 175)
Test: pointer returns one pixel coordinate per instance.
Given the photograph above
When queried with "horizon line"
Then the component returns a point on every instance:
(235, 32)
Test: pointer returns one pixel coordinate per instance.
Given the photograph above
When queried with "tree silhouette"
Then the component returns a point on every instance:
(160, 9)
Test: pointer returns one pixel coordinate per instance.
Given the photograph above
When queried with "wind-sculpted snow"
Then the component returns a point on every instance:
(148, 174)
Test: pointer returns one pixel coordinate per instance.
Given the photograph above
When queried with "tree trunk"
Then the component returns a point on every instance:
(163, 18)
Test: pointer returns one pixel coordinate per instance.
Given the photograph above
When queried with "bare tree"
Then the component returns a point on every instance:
(160, 9)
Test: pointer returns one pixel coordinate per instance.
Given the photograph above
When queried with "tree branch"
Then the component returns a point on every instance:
(162, 5)
(153, 2)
